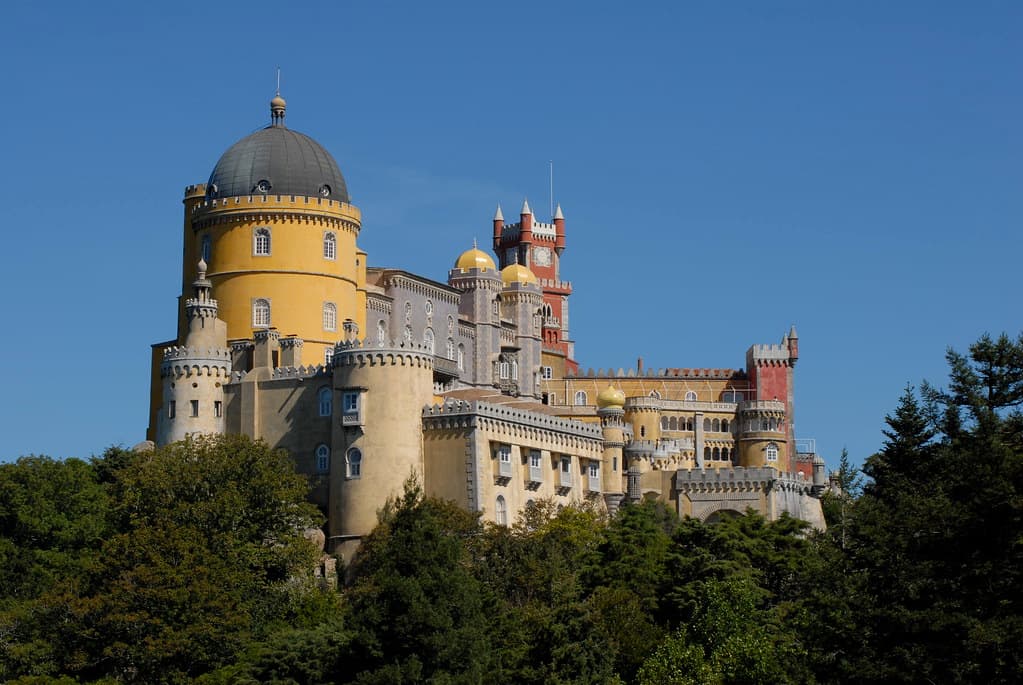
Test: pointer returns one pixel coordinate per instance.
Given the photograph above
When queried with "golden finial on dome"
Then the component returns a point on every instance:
(610, 397)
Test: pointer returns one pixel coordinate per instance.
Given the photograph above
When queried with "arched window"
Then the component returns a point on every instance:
(656, 395)
(408, 312)
(673, 424)
(322, 459)
(501, 511)
(716, 426)
(451, 326)
(580, 398)
(689, 424)
(329, 246)
(771, 452)
(428, 307)
(329, 316)
(328, 356)
(325, 398)
(461, 358)
(724, 425)
(706, 424)
(428, 339)
(706, 454)
(206, 248)
(354, 461)
(690, 396)
(408, 334)
(261, 313)
(514, 369)
(716, 454)
(664, 423)
(381, 332)
(449, 351)
(261, 242)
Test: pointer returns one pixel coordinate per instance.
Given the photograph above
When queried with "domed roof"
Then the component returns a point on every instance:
(516, 273)
(475, 259)
(611, 397)
(277, 161)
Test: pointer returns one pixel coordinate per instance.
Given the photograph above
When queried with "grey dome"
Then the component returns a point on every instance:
(277, 161)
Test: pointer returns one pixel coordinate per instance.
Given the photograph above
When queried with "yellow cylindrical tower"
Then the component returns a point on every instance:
(610, 403)
(762, 440)
(276, 227)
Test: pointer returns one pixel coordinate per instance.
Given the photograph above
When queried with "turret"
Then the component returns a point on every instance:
(521, 300)
(193, 375)
(525, 232)
(498, 228)
(478, 281)
(793, 345)
(610, 409)
(559, 231)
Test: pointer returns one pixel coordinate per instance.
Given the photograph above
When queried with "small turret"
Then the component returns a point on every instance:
(526, 229)
(498, 227)
(559, 231)
(793, 344)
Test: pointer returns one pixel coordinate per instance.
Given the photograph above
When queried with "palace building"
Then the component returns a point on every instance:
(366, 375)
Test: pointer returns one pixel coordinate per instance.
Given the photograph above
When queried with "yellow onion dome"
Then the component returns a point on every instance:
(610, 397)
(475, 259)
(516, 273)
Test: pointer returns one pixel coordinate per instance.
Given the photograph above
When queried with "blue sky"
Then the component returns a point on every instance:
(726, 170)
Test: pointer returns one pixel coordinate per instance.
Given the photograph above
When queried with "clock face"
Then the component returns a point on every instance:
(542, 256)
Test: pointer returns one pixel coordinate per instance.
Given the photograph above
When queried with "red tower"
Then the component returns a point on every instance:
(539, 246)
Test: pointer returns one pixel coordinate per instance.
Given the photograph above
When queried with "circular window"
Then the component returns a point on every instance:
(325, 190)
(263, 186)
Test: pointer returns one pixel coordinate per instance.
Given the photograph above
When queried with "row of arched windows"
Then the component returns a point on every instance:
(719, 454)
(261, 244)
(261, 314)
(672, 423)
(765, 424)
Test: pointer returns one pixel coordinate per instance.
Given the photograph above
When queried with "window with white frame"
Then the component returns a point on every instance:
(504, 370)
(407, 335)
(594, 469)
(329, 316)
(218, 409)
(771, 452)
(325, 400)
(353, 460)
(580, 398)
(322, 459)
(534, 459)
(408, 312)
(504, 454)
(329, 245)
(514, 369)
(328, 355)
(449, 352)
(428, 340)
(690, 396)
(501, 511)
(546, 372)
(261, 242)
(381, 331)
(461, 358)
(261, 313)
(566, 464)
(350, 402)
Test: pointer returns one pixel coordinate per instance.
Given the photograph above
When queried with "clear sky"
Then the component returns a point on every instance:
(726, 170)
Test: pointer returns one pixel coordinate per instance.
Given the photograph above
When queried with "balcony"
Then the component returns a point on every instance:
(445, 367)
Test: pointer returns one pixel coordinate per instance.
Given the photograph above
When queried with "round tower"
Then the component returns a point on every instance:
(762, 435)
(277, 228)
(610, 409)
(193, 375)
(377, 434)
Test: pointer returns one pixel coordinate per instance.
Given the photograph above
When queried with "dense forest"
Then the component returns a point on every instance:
(189, 564)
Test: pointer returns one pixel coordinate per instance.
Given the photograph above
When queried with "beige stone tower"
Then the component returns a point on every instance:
(610, 409)
(390, 383)
(193, 375)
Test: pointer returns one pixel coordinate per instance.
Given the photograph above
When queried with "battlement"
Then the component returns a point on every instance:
(190, 361)
(555, 285)
(639, 403)
(768, 353)
(376, 353)
(434, 417)
(179, 352)
(728, 479)
(310, 371)
(278, 201)
(724, 374)
(768, 406)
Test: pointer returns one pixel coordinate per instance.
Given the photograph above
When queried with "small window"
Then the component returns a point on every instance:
(218, 409)
(172, 409)
(706, 425)
(322, 459)
(261, 242)
(354, 462)
(690, 396)
(193, 407)
(724, 425)
(654, 394)
(504, 454)
(326, 400)
(429, 309)
(329, 246)
(350, 402)
(664, 423)
(505, 370)
(716, 426)
(501, 511)
(329, 316)
(534, 459)
(408, 312)
(547, 372)
(566, 464)
(408, 334)
(381, 331)
(328, 356)
(771, 453)
(261, 313)
(642, 431)
(594, 469)
(206, 249)
(614, 464)
(428, 340)
(461, 358)
(580, 398)
(449, 351)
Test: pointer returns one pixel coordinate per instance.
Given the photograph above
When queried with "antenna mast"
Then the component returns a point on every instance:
(278, 80)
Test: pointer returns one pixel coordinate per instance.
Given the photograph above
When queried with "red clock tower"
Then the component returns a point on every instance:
(539, 246)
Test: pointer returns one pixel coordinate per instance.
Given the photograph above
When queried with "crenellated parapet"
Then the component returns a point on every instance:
(721, 374)
(189, 361)
(370, 352)
(264, 208)
(310, 371)
(524, 424)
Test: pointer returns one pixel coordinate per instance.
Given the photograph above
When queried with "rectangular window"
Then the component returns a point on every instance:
(194, 406)
(547, 372)
(534, 458)
(566, 465)
(505, 370)
(218, 408)
(504, 453)
(350, 402)
(328, 356)
(172, 408)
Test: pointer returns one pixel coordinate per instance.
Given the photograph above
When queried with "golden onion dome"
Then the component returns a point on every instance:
(516, 273)
(610, 397)
(475, 259)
